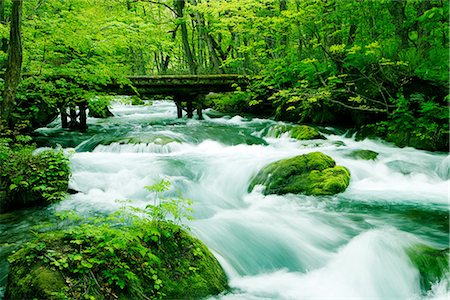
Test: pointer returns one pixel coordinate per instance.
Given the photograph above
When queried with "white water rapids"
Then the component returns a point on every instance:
(348, 246)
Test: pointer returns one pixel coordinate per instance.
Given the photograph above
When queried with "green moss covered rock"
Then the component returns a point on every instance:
(311, 174)
(299, 132)
(147, 260)
(364, 154)
(135, 100)
(36, 283)
(433, 264)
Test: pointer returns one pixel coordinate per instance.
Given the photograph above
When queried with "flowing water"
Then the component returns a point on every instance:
(352, 245)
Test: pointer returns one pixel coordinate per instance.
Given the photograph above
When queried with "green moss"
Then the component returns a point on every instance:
(144, 260)
(135, 100)
(311, 174)
(303, 132)
(299, 132)
(38, 283)
(433, 264)
(364, 154)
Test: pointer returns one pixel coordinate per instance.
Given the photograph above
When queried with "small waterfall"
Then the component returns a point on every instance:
(140, 148)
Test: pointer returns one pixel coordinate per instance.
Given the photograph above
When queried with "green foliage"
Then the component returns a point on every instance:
(99, 107)
(31, 178)
(132, 254)
(169, 210)
(417, 121)
(339, 62)
(230, 102)
(135, 100)
(39, 98)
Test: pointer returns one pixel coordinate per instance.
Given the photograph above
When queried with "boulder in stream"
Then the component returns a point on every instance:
(364, 154)
(145, 261)
(433, 264)
(299, 132)
(311, 174)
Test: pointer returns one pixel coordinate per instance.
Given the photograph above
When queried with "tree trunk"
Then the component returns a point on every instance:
(14, 64)
(397, 11)
(179, 8)
(3, 41)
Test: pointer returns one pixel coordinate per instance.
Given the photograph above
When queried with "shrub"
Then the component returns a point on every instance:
(28, 178)
(98, 107)
(132, 254)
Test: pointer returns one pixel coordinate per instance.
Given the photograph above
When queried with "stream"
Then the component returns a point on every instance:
(351, 245)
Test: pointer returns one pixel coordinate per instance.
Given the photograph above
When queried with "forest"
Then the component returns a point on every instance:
(349, 63)
(362, 83)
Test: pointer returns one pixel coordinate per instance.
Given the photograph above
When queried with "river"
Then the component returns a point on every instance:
(351, 245)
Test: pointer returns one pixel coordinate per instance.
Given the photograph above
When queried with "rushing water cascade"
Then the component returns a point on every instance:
(352, 245)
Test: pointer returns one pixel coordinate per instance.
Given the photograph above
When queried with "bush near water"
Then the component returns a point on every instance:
(145, 261)
(131, 254)
(28, 178)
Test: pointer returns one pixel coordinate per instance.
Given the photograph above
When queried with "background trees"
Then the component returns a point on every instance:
(346, 62)
(14, 63)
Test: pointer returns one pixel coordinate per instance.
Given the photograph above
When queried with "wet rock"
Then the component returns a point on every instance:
(106, 262)
(311, 174)
(433, 264)
(364, 154)
(135, 100)
(299, 132)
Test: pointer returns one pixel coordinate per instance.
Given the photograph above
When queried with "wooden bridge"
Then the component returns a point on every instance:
(188, 92)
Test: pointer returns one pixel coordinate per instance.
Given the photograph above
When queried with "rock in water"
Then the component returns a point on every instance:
(106, 262)
(311, 174)
(433, 264)
(364, 154)
(299, 132)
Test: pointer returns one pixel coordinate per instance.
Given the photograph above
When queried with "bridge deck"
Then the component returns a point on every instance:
(176, 85)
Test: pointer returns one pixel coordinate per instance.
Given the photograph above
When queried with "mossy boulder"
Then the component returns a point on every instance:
(364, 154)
(135, 100)
(433, 264)
(146, 261)
(299, 132)
(311, 174)
(38, 282)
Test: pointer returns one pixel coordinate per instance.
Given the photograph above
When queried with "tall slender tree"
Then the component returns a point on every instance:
(14, 64)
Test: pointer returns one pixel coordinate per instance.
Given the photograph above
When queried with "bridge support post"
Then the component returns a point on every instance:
(74, 120)
(179, 109)
(199, 110)
(83, 118)
(190, 110)
(199, 102)
(64, 122)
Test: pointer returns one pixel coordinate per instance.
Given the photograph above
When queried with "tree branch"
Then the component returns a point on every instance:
(160, 3)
